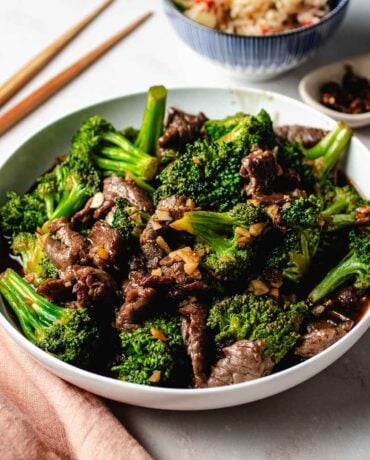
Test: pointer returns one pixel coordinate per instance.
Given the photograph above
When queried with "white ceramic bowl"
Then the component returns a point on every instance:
(309, 87)
(35, 156)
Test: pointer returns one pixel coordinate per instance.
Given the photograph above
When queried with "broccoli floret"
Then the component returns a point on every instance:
(128, 220)
(355, 265)
(111, 151)
(251, 130)
(341, 207)
(334, 208)
(69, 185)
(257, 318)
(35, 261)
(303, 212)
(218, 128)
(70, 334)
(225, 260)
(208, 172)
(59, 193)
(22, 213)
(152, 125)
(150, 353)
(225, 238)
(47, 190)
(294, 254)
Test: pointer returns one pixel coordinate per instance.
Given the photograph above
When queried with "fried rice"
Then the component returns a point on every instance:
(254, 17)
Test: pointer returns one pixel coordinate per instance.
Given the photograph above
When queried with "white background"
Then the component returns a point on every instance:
(327, 417)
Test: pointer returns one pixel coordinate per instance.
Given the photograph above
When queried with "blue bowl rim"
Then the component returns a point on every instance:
(340, 6)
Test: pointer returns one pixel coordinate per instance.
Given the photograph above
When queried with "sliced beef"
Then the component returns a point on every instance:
(321, 335)
(114, 187)
(84, 215)
(137, 298)
(306, 135)
(289, 179)
(279, 199)
(347, 298)
(173, 267)
(273, 199)
(181, 128)
(172, 290)
(64, 246)
(56, 290)
(261, 170)
(106, 246)
(168, 281)
(118, 187)
(81, 286)
(243, 361)
(182, 267)
(153, 245)
(194, 327)
(91, 286)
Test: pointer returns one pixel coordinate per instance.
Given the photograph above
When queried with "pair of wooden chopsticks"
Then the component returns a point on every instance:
(44, 92)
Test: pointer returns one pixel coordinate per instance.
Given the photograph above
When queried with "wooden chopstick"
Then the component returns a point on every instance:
(44, 92)
(35, 65)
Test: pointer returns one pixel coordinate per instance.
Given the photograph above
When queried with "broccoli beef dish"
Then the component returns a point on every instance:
(189, 253)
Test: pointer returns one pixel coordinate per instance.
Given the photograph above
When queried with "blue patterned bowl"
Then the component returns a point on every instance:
(257, 57)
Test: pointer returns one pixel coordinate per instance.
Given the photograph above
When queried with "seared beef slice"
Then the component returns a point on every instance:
(64, 246)
(244, 361)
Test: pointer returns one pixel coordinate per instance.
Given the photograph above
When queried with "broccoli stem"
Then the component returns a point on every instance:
(71, 335)
(122, 156)
(152, 124)
(348, 267)
(339, 221)
(144, 170)
(124, 144)
(205, 222)
(337, 215)
(339, 138)
(32, 310)
(49, 205)
(142, 184)
(70, 202)
(335, 208)
(21, 310)
(320, 149)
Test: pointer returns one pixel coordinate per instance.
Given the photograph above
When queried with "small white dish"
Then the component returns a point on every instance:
(309, 87)
(38, 153)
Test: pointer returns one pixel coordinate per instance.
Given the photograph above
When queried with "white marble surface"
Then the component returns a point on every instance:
(327, 417)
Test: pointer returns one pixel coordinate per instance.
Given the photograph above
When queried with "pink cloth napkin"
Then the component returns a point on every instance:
(43, 417)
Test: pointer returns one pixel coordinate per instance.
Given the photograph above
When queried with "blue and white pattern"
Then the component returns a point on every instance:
(257, 57)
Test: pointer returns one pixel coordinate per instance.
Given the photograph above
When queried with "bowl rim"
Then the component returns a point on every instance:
(332, 13)
(64, 368)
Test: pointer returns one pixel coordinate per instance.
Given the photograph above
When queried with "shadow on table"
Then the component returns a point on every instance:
(330, 411)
